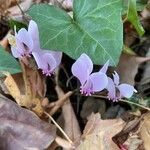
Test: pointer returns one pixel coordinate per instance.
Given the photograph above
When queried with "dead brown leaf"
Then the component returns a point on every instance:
(65, 4)
(28, 90)
(145, 131)
(71, 126)
(21, 129)
(15, 10)
(98, 133)
(130, 127)
(128, 67)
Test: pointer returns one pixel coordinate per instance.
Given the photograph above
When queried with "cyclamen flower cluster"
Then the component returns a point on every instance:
(27, 43)
(95, 82)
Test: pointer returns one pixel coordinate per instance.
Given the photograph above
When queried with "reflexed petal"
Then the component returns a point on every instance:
(39, 59)
(15, 52)
(82, 68)
(126, 90)
(18, 50)
(111, 89)
(50, 61)
(105, 67)
(56, 54)
(116, 78)
(99, 81)
(24, 37)
(34, 33)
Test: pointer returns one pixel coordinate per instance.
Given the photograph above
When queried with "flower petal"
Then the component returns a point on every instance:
(50, 61)
(82, 68)
(56, 54)
(34, 33)
(24, 37)
(126, 90)
(111, 89)
(116, 78)
(15, 52)
(105, 67)
(99, 81)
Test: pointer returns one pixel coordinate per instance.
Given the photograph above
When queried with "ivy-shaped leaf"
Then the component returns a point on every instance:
(8, 62)
(95, 29)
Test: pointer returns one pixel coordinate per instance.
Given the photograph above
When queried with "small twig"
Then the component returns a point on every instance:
(59, 103)
(61, 130)
(20, 8)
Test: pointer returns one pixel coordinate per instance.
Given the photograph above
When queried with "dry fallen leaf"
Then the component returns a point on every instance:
(24, 5)
(98, 133)
(145, 131)
(71, 126)
(128, 67)
(21, 129)
(29, 90)
(131, 127)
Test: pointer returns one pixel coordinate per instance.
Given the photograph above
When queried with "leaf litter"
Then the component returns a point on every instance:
(92, 128)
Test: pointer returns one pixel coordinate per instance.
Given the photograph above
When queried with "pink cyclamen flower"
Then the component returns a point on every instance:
(90, 82)
(116, 91)
(46, 60)
(23, 45)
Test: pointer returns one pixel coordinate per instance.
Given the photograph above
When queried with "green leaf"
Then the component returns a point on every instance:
(96, 29)
(132, 17)
(8, 62)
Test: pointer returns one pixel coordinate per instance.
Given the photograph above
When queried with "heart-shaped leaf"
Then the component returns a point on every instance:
(96, 29)
(8, 62)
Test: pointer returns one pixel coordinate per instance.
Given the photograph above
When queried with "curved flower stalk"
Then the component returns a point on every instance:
(116, 91)
(90, 82)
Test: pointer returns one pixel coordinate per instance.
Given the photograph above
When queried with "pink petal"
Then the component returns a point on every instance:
(111, 89)
(99, 81)
(39, 59)
(34, 33)
(15, 52)
(56, 54)
(45, 61)
(126, 90)
(19, 50)
(105, 67)
(82, 68)
(50, 61)
(116, 78)
(24, 37)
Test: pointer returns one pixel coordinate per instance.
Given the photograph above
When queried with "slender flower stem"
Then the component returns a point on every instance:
(61, 130)
(139, 105)
(125, 101)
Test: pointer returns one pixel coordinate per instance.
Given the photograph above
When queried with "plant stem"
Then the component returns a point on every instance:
(139, 105)
(125, 101)
(61, 130)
